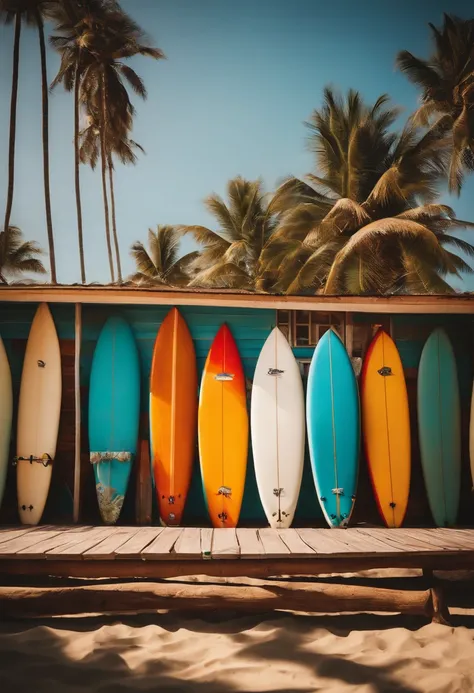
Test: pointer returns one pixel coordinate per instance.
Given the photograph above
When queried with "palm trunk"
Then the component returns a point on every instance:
(47, 191)
(103, 156)
(114, 221)
(77, 171)
(11, 148)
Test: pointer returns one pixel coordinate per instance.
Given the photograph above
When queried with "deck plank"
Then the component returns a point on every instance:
(466, 536)
(188, 544)
(402, 541)
(446, 543)
(249, 542)
(74, 549)
(206, 542)
(298, 548)
(9, 533)
(273, 545)
(327, 545)
(133, 547)
(160, 548)
(40, 548)
(11, 548)
(373, 541)
(105, 549)
(225, 544)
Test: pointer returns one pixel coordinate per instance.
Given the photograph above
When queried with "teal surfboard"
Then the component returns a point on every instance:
(114, 411)
(333, 422)
(439, 425)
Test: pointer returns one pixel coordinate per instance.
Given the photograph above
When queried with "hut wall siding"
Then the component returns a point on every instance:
(250, 328)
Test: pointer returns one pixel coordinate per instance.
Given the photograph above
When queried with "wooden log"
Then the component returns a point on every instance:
(28, 602)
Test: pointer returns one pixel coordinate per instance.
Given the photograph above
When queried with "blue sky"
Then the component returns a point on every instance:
(231, 98)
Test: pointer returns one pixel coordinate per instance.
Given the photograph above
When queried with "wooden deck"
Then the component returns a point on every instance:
(155, 552)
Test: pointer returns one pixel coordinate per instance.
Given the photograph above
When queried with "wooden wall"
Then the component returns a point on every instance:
(250, 329)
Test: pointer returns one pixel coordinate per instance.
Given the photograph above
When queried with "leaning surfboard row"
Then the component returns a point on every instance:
(279, 416)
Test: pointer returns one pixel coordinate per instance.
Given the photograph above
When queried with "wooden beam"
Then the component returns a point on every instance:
(258, 568)
(455, 304)
(27, 602)
(77, 407)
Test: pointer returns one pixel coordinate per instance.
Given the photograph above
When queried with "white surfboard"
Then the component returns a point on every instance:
(278, 429)
(6, 410)
(38, 416)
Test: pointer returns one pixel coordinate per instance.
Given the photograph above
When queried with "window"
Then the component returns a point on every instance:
(305, 328)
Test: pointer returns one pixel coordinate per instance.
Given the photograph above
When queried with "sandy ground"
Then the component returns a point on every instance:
(368, 653)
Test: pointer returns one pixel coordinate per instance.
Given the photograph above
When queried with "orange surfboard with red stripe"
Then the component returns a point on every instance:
(173, 415)
(223, 430)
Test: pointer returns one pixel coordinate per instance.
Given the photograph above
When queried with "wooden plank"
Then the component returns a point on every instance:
(365, 544)
(455, 304)
(272, 543)
(133, 547)
(188, 544)
(40, 548)
(249, 542)
(399, 539)
(206, 542)
(79, 544)
(105, 550)
(224, 543)
(9, 533)
(160, 548)
(10, 548)
(465, 535)
(77, 412)
(298, 548)
(322, 543)
(448, 543)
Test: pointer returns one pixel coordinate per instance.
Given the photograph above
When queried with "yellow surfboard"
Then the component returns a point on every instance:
(223, 430)
(386, 427)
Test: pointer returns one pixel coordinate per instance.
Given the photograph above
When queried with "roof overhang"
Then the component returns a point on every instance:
(126, 295)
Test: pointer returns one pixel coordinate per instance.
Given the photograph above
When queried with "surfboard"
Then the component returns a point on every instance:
(173, 415)
(223, 430)
(439, 423)
(114, 410)
(386, 427)
(39, 410)
(333, 422)
(6, 412)
(277, 418)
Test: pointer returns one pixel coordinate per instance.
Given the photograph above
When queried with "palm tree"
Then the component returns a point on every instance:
(32, 12)
(18, 256)
(93, 52)
(446, 81)
(124, 148)
(161, 265)
(230, 256)
(368, 222)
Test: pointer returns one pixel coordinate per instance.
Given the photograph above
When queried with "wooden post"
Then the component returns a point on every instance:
(349, 333)
(77, 407)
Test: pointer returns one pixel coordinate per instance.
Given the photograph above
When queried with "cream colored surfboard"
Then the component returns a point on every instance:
(38, 416)
(6, 408)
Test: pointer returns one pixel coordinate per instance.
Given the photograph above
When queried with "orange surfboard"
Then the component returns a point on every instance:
(173, 415)
(223, 430)
(386, 427)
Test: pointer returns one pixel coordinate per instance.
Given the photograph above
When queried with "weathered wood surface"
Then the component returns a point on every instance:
(313, 550)
(27, 602)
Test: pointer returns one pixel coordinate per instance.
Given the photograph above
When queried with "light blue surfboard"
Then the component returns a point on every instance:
(439, 425)
(333, 422)
(114, 412)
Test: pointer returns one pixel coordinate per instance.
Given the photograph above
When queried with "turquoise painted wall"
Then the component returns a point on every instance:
(250, 329)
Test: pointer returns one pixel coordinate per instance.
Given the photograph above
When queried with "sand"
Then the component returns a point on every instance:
(367, 653)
